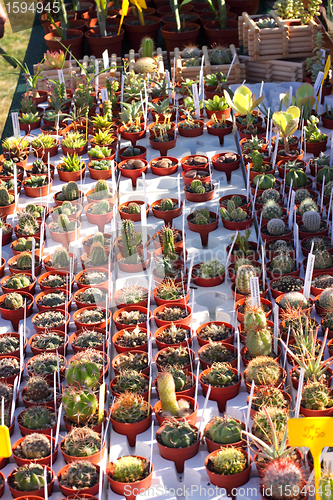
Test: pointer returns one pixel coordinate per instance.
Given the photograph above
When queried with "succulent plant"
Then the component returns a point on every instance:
(311, 221)
(69, 192)
(17, 281)
(60, 258)
(13, 301)
(45, 364)
(35, 446)
(128, 469)
(244, 273)
(29, 477)
(220, 375)
(8, 344)
(279, 475)
(276, 227)
(166, 390)
(131, 381)
(81, 442)
(307, 205)
(129, 408)
(201, 217)
(263, 370)
(326, 484)
(37, 418)
(301, 194)
(6, 392)
(24, 261)
(211, 269)
(229, 461)
(326, 299)
(316, 396)
(223, 430)
(177, 434)
(283, 264)
(271, 210)
(80, 476)
(37, 389)
(268, 396)
(79, 404)
(262, 424)
(293, 300)
(270, 195)
(5, 198)
(101, 208)
(28, 224)
(82, 374)
(231, 213)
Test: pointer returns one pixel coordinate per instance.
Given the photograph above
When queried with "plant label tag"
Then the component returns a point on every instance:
(323, 54)
(231, 249)
(196, 101)
(248, 182)
(318, 82)
(104, 94)
(275, 149)
(296, 239)
(16, 125)
(255, 292)
(61, 76)
(314, 433)
(276, 326)
(105, 56)
(5, 447)
(261, 88)
(231, 65)
(291, 210)
(331, 151)
(322, 193)
(308, 275)
(329, 212)
(167, 76)
(328, 460)
(290, 96)
(178, 189)
(96, 75)
(101, 403)
(122, 89)
(144, 229)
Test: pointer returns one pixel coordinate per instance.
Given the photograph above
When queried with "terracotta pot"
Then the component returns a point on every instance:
(327, 122)
(275, 293)
(133, 217)
(122, 326)
(131, 430)
(99, 219)
(219, 132)
(163, 147)
(132, 174)
(203, 230)
(132, 136)
(43, 276)
(5, 211)
(167, 215)
(229, 340)
(101, 324)
(79, 201)
(65, 238)
(129, 490)
(216, 35)
(178, 455)
(100, 347)
(74, 44)
(62, 328)
(199, 197)
(36, 493)
(121, 349)
(316, 148)
(71, 176)
(84, 493)
(162, 345)
(191, 419)
(142, 156)
(185, 368)
(220, 394)
(164, 171)
(201, 167)
(7, 237)
(41, 461)
(160, 322)
(244, 135)
(16, 315)
(128, 267)
(173, 39)
(30, 288)
(207, 282)
(227, 168)
(191, 132)
(93, 459)
(98, 44)
(232, 482)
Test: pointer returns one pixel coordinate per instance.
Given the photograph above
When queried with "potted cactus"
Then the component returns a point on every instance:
(90, 296)
(198, 191)
(275, 229)
(69, 192)
(29, 479)
(173, 335)
(130, 381)
(35, 447)
(317, 400)
(82, 443)
(132, 210)
(9, 368)
(178, 314)
(57, 319)
(224, 381)
(217, 352)
(223, 432)
(167, 209)
(203, 222)
(178, 441)
(73, 211)
(235, 218)
(131, 415)
(130, 295)
(46, 364)
(277, 477)
(37, 419)
(228, 468)
(131, 315)
(58, 299)
(133, 338)
(170, 292)
(264, 370)
(7, 204)
(136, 361)
(58, 262)
(79, 478)
(99, 213)
(38, 392)
(91, 317)
(315, 141)
(12, 306)
(270, 425)
(129, 474)
(51, 341)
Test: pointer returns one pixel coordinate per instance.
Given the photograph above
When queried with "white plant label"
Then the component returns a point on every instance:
(61, 76)
(318, 82)
(196, 101)
(275, 149)
(258, 242)
(261, 88)
(291, 210)
(255, 292)
(308, 275)
(96, 75)
(248, 182)
(322, 193)
(1, 245)
(290, 95)
(16, 125)
(231, 65)
(296, 239)
(331, 151)
(104, 94)
(250, 404)
(178, 188)
(328, 460)
(268, 122)
(329, 209)
(144, 230)
(105, 56)
(299, 393)
(276, 326)
(167, 76)
(231, 249)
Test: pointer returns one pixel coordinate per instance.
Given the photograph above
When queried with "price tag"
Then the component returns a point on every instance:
(318, 82)
(105, 56)
(308, 275)
(167, 76)
(314, 433)
(61, 76)
(5, 447)
(16, 125)
(104, 94)
(196, 101)
(255, 292)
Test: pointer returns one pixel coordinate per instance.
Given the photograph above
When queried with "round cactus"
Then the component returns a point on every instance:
(221, 375)
(316, 396)
(190, 51)
(308, 205)
(271, 210)
(37, 389)
(36, 446)
(60, 258)
(283, 264)
(166, 204)
(98, 237)
(70, 192)
(37, 418)
(17, 281)
(326, 299)
(244, 273)
(29, 477)
(79, 405)
(229, 461)
(224, 430)
(263, 370)
(293, 300)
(275, 227)
(82, 442)
(100, 208)
(133, 208)
(13, 301)
(83, 374)
(24, 261)
(270, 195)
(301, 194)
(311, 221)
(323, 260)
(175, 434)
(282, 476)
(128, 469)
(5, 198)
(80, 475)
(98, 255)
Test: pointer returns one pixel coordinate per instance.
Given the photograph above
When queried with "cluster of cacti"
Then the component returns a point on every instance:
(276, 227)
(177, 434)
(167, 393)
(264, 370)
(228, 461)
(271, 210)
(79, 404)
(80, 475)
(293, 300)
(13, 301)
(36, 446)
(283, 478)
(60, 258)
(8, 344)
(29, 477)
(81, 442)
(311, 221)
(64, 225)
(128, 469)
(283, 264)
(258, 336)
(211, 269)
(146, 63)
(224, 430)
(265, 419)
(220, 375)
(168, 243)
(17, 281)
(201, 217)
(231, 213)
(129, 408)
(69, 192)
(197, 186)
(316, 396)
(244, 273)
(101, 208)
(48, 340)
(5, 198)
(37, 418)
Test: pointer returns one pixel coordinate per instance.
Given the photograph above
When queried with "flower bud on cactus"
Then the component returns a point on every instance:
(263, 370)
(175, 434)
(79, 404)
(36, 446)
(13, 301)
(275, 227)
(283, 479)
(224, 430)
(229, 461)
(311, 221)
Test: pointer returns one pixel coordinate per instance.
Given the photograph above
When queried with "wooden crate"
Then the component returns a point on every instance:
(237, 73)
(275, 71)
(286, 41)
(70, 68)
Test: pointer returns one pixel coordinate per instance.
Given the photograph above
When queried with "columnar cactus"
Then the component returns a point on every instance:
(5, 198)
(244, 273)
(175, 434)
(60, 258)
(168, 245)
(128, 239)
(69, 192)
(311, 221)
(166, 390)
(98, 255)
(99, 237)
(224, 430)
(275, 227)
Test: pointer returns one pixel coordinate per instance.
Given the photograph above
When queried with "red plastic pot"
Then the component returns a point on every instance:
(122, 326)
(227, 168)
(178, 455)
(16, 315)
(203, 230)
(219, 132)
(98, 44)
(174, 39)
(132, 174)
(132, 136)
(164, 171)
(129, 490)
(74, 44)
(41, 461)
(183, 322)
(191, 419)
(207, 282)
(37, 493)
(121, 349)
(131, 430)
(229, 340)
(220, 394)
(93, 490)
(167, 215)
(218, 36)
(99, 219)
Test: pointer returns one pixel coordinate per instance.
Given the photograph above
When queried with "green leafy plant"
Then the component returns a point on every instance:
(287, 123)
(312, 132)
(71, 163)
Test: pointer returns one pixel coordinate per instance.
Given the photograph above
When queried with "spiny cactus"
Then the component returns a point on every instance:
(190, 51)
(177, 434)
(5, 198)
(82, 442)
(166, 204)
(98, 255)
(37, 389)
(13, 301)
(101, 208)
(224, 430)
(69, 192)
(37, 418)
(221, 375)
(263, 420)
(308, 205)
(168, 244)
(271, 210)
(275, 227)
(146, 63)
(130, 408)
(270, 195)
(17, 281)
(323, 259)
(326, 299)
(60, 258)
(293, 300)
(263, 370)
(36, 446)
(64, 225)
(301, 194)
(231, 213)
(81, 374)
(131, 381)
(316, 396)
(279, 475)
(80, 475)
(28, 224)
(24, 261)
(244, 273)
(29, 477)
(79, 404)
(201, 217)
(283, 263)
(99, 237)
(220, 55)
(133, 208)
(311, 221)
(128, 469)
(229, 461)
(326, 484)
(167, 393)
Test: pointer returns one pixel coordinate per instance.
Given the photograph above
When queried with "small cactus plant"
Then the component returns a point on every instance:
(293, 300)
(166, 204)
(283, 264)
(79, 404)
(60, 258)
(263, 370)
(37, 418)
(29, 477)
(81, 442)
(281, 477)
(223, 430)
(271, 210)
(326, 299)
(13, 301)
(323, 259)
(128, 469)
(311, 221)
(129, 408)
(231, 213)
(316, 396)
(34, 446)
(167, 393)
(276, 227)
(69, 192)
(177, 434)
(267, 420)
(80, 476)
(229, 461)
(244, 273)
(37, 389)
